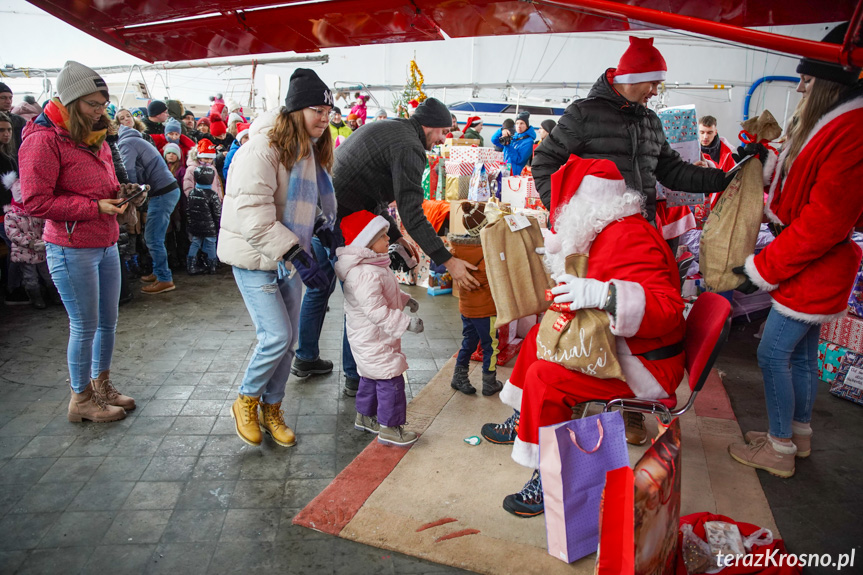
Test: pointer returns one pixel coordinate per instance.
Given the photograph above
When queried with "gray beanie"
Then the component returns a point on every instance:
(432, 113)
(76, 80)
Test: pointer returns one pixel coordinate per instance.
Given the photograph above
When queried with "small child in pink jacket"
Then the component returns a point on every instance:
(375, 324)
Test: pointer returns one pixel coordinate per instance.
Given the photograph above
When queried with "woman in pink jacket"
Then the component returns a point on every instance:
(375, 324)
(68, 179)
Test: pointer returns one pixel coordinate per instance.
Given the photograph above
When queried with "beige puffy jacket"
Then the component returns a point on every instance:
(252, 235)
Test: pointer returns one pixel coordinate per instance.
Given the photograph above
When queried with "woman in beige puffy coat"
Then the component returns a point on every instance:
(279, 195)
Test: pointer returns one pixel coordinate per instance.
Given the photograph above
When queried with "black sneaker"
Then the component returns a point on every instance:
(460, 381)
(528, 501)
(351, 386)
(17, 297)
(502, 433)
(303, 368)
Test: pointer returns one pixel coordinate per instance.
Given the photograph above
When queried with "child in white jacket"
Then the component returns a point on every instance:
(375, 324)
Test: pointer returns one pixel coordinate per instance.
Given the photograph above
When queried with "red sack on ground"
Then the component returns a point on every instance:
(697, 520)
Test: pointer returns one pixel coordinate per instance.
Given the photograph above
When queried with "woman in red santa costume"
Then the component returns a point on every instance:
(631, 275)
(809, 269)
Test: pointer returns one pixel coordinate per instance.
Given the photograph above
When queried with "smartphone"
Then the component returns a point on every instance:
(141, 190)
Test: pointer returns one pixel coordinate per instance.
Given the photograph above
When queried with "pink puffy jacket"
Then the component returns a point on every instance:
(373, 310)
(25, 233)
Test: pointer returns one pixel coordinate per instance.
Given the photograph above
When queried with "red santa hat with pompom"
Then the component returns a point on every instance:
(361, 228)
(206, 149)
(592, 179)
(641, 62)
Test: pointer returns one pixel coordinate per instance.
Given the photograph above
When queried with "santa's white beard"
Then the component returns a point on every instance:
(579, 222)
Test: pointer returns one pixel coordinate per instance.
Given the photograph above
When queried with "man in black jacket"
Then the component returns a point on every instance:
(17, 121)
(614, 123)
(157, 115)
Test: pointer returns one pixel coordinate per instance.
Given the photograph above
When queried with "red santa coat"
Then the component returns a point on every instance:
(632, 255)
(186, 143)
(809, 269)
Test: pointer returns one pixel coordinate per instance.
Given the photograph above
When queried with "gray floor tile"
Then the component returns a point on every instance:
(78, 528)
(219, 467)
(134, 527)
(187, 525)
(115, 468)
(186, 558)
(25, 470)
(224, 445)
(65, 560)
(206, 494)
(313, 466)
(137, 445)
(182, 445)
(163, 407)
(120, 559)
(89, 446)
(150, 425)
(199, 407)
(23, 531)
(101, 496)
(263, 465)
(250, 525)
(169, 468)
(72, 469)
(44, 497)
(299, 492)
(316, 423)
(27, 425)
(46, 446)
(199, 425)
(233, 557)
(10, 494)
(154, 495)
(257, 494)
(11, 560)
(175, 392)
(12, 444)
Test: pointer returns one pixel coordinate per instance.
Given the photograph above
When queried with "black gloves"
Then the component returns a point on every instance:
(747, 287)
(308, 268)
(752, 149)
(327, 237)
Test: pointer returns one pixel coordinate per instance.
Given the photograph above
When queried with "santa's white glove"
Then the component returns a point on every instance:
(416, 325)
(413, 305)
(580, 293)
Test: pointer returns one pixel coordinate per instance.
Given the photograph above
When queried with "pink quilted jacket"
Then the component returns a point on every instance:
(25, 233)
(62, 182)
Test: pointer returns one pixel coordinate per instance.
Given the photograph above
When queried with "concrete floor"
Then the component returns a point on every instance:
(172, 488)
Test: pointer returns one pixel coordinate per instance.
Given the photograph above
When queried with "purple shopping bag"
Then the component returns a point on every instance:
(574, 457)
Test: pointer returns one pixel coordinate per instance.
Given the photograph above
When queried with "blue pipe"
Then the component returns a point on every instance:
(757, 83)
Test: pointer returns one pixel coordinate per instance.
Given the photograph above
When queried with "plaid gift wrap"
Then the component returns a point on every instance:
(849, 381)
(847, 331)
(829, 360)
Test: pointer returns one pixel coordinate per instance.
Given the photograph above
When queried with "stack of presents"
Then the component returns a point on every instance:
(840, 351)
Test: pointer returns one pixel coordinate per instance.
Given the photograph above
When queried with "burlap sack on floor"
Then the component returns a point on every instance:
(731, 230)
(516, 274)
(580, 340)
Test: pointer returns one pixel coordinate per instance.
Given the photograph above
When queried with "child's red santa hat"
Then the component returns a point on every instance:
(206, 149)
(640, 63)
(361, 228)
(217, 127)
(243, 128)
(472, 121)
(592, 179)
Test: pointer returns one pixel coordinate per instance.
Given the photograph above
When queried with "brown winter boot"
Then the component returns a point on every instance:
(89, 405)
(274, 424)
(158, 287)
(103, 386)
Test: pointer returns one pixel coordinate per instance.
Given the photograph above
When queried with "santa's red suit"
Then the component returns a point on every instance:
(185, 142)
(631, 255)
(809, 269)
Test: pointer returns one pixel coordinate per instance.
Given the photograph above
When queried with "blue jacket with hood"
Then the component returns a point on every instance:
(144, 164)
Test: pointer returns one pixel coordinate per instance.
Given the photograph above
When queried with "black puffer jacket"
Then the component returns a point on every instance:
(205, 212)
(607, 125)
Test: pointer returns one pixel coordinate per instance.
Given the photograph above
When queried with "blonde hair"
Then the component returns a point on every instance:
(80, 126)
(139, 125)
(232, 128)
(293, 142)
(822, 96)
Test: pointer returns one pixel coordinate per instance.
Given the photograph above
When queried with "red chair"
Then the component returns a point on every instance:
(707, 328)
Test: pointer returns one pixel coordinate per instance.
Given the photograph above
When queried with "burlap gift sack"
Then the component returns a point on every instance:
(580, 340)
(516, 274)
(731, 230)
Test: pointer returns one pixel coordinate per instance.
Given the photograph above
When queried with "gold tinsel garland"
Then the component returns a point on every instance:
(415, 71)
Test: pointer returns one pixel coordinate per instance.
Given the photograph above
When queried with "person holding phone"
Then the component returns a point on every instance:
(280, 194)
(68, 179)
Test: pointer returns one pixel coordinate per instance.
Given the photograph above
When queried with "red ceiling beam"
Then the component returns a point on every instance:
(808, 48)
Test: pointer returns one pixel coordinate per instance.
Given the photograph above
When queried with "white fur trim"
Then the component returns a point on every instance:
(813, 318)
(769, 167)
(511, 395)
(370, 232)
(631, 303)
(525, 453)
(8, 179)
(596, 189)
(773, 185)
(756, 276)
(638, 378)
(655, 76)
(677, 228)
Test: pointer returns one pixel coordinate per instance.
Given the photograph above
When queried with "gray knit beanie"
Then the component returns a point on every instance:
(76, 80)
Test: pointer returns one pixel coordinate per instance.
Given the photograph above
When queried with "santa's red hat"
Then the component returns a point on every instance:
(242, 130)
(472, 120)
(360, 228)
(217, 127)
(640, 63)
(206, 149)
(592, 179)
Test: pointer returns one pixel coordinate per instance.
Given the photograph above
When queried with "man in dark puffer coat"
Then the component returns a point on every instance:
(613, 123)
(205, 212)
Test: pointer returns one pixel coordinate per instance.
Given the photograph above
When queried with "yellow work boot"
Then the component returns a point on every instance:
(274, 424)
(244, 412)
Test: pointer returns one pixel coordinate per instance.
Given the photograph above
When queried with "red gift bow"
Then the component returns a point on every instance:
(566, 315)
(748, 138)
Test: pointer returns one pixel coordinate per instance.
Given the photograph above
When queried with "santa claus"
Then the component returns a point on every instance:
(633, 277)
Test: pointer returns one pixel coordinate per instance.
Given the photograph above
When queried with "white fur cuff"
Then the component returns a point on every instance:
(525, 453)
(756, 276)
(511, 395)
(631, 304)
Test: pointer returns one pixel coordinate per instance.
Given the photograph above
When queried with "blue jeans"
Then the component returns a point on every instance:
(88, 280)
(315, 310)
(274, 305)
(788, 357)
(208, 244)
(159, 210)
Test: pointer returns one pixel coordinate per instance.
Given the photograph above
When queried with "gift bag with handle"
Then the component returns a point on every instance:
(579, 340)
(574, 457)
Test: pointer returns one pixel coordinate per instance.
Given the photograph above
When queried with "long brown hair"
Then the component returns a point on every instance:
(80, 126)
(290, 138)
(822, 96)
(9, 149)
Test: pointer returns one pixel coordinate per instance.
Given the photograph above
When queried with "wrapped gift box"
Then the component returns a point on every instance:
(830, 358)
(458, 168)
(472, 154)
(457, 187)
(855, 302)
(846, 331)
(849, 381)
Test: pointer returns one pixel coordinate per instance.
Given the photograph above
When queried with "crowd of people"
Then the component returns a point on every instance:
(287, 210)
